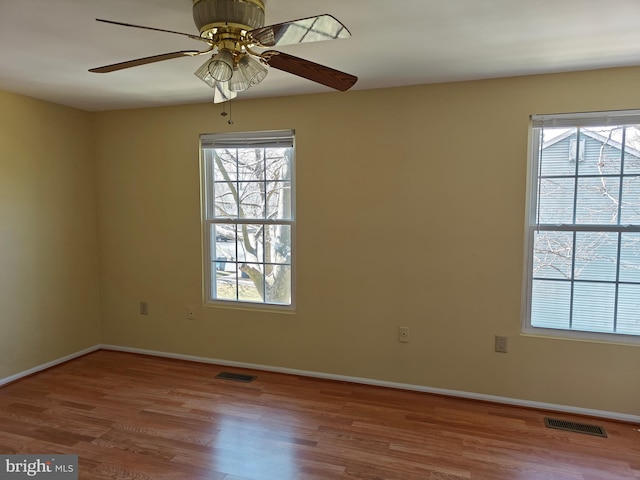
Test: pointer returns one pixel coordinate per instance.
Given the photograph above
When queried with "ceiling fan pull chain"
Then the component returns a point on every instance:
(224, 111)
(230, 122)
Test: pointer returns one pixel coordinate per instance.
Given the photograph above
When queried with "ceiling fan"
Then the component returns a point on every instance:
(232, 30)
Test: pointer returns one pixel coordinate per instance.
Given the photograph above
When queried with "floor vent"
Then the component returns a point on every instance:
(575, 427)
(238, 377)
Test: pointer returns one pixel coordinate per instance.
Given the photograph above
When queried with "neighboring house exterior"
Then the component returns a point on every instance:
(592, 145)
(598, 190)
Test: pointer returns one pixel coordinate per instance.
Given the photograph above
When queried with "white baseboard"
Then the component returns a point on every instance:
(380, 383)
(44, 366)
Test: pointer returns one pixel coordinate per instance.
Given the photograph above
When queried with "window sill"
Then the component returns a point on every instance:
(251, 307)
(591, 337)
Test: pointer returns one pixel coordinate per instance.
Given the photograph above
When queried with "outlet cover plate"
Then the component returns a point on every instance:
(403, 334)
(501, 344)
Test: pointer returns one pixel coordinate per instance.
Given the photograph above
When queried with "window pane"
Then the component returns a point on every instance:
(593, 307)
(632, 150)
(630, 258)
(248, 285)
(251, 200)
(223, 242)
(250, 243)
(552, 255)
(596, 256)
(279, 200)
(225, 204)
(557, 157)
(630, 201)
(278, 244)
(224, 232)
(226, 283)
(556, 200)
(279, 163)
(279, 285)
(602, 155)
(224, 164)
(597, 201)
(629, 309)
(251, 164)
(551, 304)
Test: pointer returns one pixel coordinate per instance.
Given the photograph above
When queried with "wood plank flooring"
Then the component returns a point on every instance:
(131, 416)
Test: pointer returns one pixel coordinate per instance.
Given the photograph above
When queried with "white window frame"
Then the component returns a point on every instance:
(582, 120)
(259, 139)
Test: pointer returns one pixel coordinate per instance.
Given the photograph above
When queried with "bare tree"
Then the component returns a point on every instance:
(255, 184)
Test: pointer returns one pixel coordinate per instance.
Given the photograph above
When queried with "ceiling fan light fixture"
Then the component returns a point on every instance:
(238, 82)
(253, 71)
(203, 74)
(221, 65)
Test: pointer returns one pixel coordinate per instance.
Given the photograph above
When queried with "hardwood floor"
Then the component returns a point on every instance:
(137, 417)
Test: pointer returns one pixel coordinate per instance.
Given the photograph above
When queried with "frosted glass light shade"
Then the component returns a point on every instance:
(238, 82)
(221, 66)
(203, 74)
(253, 71)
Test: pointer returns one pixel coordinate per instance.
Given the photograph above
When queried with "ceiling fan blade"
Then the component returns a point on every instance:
(193, 37)
(309, 70)
(143, 61)
(312, 29)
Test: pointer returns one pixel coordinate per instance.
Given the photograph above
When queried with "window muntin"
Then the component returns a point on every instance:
(583, 228)
(249, 217)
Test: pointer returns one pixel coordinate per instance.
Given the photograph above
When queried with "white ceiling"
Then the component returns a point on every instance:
(47, 46)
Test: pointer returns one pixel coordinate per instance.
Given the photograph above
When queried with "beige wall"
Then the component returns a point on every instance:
(48, 244)
(410, 209)
(410, 213)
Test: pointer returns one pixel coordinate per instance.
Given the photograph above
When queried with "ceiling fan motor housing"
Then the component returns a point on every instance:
(243, 14)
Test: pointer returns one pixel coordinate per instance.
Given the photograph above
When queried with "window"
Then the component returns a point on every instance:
(583, 226)
(249, 229)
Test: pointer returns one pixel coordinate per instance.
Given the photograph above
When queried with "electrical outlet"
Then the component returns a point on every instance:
(501, 344)
(191, 313)
(144, 308)
(403, 334)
